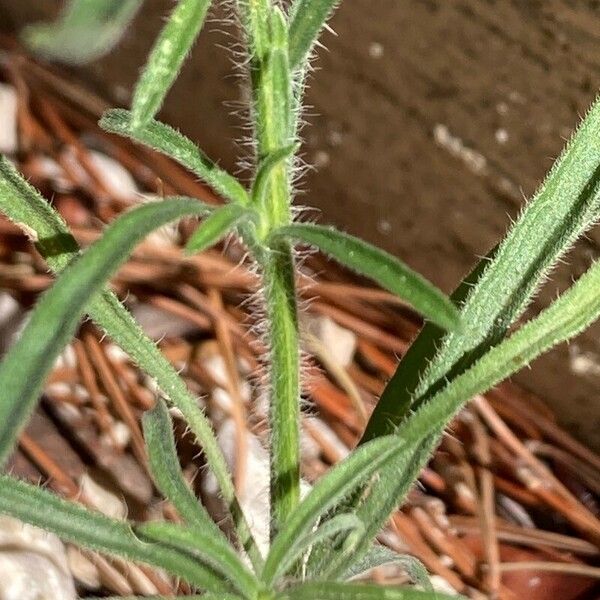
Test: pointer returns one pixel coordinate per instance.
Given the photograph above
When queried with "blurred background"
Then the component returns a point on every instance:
(429, 123)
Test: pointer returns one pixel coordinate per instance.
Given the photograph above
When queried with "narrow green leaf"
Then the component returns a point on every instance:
(172, 143)
(346, 478)
(93, 530)
(492, 298)
(380, 499)
(566, 317)
(396, 399)
(165, 61)
(277, 84)
(380, 266)
(398, 477)
(343, 523)
(254, 18)
(212, 551)
(85, 31)
(356, 591)
(575, 310)
(380, 556)
(216, 226)
(24, 205)
(565, 206)
(308, 17)
(44, 226)
(166, 471)
(260, 186)
(53, 322)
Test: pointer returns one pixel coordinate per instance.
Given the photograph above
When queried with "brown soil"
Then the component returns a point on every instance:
(506, 78)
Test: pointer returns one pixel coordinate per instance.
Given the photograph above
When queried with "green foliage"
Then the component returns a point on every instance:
(24, 205)
(85, 31)
(166, 471)
(216, 226)
(566, 205)
(389, 272)
(166, 59)
(340, 524)
(328, 537)
(308, 19)
(55, 319)
(379, 556)
(93, 530)
(210, 550)
(341, 482)
(349, 591)
(575, 310)
(167, 140)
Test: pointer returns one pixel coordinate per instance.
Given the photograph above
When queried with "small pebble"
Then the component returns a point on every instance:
(101, 499)
(501, 136)
(33, 564)
(9, 141)
(340, 342)
(375, 50)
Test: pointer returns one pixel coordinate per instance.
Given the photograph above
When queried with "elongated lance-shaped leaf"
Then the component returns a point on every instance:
(376, 506)
(379, 556)
(356, 591)
(343, 523)
(86, 30)
(387, 271)
(397, 399)
(170, 50)
(174, 144)
(216, 226)
(254, 15)
(346, 478)
(93, 530)
(24, 205)
(378, 501)
(566, 317)
(569, 315)
(210, 550)
(260, 186)
(59, 310)
(381, 500)
(308, 17)
(167, 474)
(565, 206)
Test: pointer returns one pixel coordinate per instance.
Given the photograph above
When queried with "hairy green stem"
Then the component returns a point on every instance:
(282, 316)
(273, 112)
(273, 101)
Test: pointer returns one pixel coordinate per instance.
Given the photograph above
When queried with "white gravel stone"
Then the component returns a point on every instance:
(9, 140)
(33, 564)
